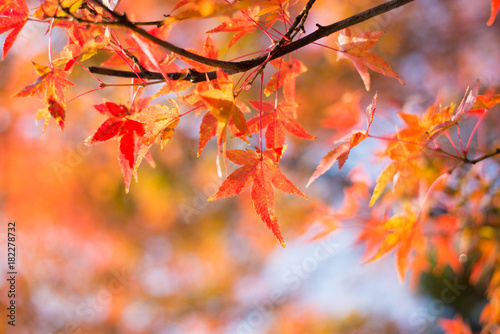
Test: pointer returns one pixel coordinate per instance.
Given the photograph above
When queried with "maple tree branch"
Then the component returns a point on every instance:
(484, 157)
(192, 75)
(231, 67)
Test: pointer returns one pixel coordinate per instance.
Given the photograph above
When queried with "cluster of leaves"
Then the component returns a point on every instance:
(399, 222)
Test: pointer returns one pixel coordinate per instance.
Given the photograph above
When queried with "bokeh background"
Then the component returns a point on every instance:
(161, 259)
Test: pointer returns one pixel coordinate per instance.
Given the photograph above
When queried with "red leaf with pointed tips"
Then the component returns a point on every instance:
(260, 171)
(277, 121)
(241, 25)
(287, 72)
(50, 86)
(120, 125)
(14, 15)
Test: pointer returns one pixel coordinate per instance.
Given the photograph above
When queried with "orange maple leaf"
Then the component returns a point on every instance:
(159, 122)
(241, 25)
(485, 102)
(341, 151)
(262, 172)
(209, 51)
(52, 8)
(14, 15)
(403, 232)
(355, 48)
(467, 103)
(224, 111)
(190, 9)
(51, 85)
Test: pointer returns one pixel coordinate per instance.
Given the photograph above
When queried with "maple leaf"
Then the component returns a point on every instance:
(241, 25)
(209, 51)
(261, 171)
(485, 102)
(119, 124)
(159, 122)
(52, 8)
(495, 6)
(52, 85)
(403, 232)
(189, 9)
(274, 10)
(383, 180)
(287, 72)
(276, 121)
(341, 151)
(13, 16)
(467, 103)
(224, 111)
(84, 41)
(355, 48)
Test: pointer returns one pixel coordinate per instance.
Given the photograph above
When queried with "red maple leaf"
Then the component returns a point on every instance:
(13, 16)
(276, 120)
(262, 172)
(50, 86)
(120, 125)
(287, 72)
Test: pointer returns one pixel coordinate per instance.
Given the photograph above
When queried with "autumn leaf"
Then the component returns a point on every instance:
(241, 25)
(13, 16)
(273, 10)
(383, 180)
(495, 6)
(404, 233)
(341, 151)
(83, 41)
(467, 103)
(287, 72)
(355, 48)
(209, 51)
(159, 123)
(485, 102)
(225, 111)
(189, 9)
(52, 8)
(261, 171)
(277, 121)
(119, 124)
(50, 86)
(373, 234)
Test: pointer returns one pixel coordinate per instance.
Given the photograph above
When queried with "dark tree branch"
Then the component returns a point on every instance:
(192, 75)
(231, 67)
